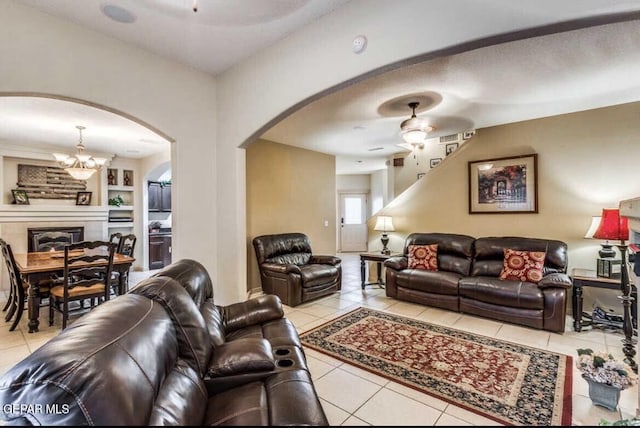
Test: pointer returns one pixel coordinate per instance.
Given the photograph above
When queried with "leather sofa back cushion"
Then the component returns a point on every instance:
(191, 330)
(423, 257)
(272, 248)
(108, 367)
(455, 252)
(489, 254)
(299, 259)
(193, 276)
(522, 265)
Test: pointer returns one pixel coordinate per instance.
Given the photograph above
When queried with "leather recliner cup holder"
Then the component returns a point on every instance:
(285, 363)
(282, 351)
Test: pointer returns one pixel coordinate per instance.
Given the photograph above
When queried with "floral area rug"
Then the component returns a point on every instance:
(509, 383)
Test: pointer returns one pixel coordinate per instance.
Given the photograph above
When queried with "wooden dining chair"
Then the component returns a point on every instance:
(87, 271)
(126, 247)
(116, 238)
(51, 241)
(17, 295)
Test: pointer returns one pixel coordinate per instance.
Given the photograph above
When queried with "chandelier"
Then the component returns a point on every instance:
(80, 166)
(414, 130)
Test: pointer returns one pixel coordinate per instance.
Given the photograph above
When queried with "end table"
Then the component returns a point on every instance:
(379, 258)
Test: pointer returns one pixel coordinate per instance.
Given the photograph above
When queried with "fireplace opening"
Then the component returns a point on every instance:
(77, 234)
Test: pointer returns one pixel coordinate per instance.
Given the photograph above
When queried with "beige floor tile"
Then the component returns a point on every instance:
(524, 336)
(405, 309)
(586, 414)
(322, 357)
(335, 415)
(446, 420)
(416, 395)
(342, 304)
(388, 408)
(321, 311)
(371, 377)
(14, 339)
(299, 318)
(439, 316)
(317, 367)
(355, 422)
(345, 390)
(470, 417)
(13, 355)
(477, 325)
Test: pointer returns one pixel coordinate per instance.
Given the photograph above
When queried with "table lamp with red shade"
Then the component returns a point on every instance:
(612, 227)
(616, 228)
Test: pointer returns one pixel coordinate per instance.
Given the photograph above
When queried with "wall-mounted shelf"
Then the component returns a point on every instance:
(120, 183)
(120, 225)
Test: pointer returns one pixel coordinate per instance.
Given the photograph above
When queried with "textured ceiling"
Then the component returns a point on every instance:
(515, 81)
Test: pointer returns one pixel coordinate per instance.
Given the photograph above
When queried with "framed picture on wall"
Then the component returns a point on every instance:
(420, 175)
(434, 162)
(20, 197)
(504, 185)
(449, 148)
(83, 198)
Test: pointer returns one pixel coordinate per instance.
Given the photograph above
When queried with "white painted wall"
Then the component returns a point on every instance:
(44, 54)
(379, 190)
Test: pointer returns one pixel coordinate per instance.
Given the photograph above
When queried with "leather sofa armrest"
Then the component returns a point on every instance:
(325, 260)
(284, 269)
(241, 356)
(397, 262)
(251, 312)
(555, 280)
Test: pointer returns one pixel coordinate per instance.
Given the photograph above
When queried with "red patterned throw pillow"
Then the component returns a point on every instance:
(522, 265)
(423, 257)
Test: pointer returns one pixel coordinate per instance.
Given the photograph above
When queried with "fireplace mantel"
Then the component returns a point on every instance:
(34, 213)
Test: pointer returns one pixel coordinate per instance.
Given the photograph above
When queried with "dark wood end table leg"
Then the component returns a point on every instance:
(577, 307)
(362, 272)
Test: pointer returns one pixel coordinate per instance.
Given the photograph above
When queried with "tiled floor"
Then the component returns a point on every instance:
(352, 396)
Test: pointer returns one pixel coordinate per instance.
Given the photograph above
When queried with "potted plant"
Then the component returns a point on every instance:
(117, 201)
(154, 226)
(606, 376)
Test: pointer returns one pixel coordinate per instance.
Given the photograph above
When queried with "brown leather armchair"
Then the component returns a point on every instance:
(290, 270)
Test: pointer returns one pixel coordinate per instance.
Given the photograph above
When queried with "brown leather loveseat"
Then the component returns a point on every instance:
(165, 354)
(468, 280)
(289, 269)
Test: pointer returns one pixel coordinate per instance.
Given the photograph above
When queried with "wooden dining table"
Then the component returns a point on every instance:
(36, 266)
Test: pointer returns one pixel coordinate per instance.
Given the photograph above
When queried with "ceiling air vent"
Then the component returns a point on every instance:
(453, 138)
(375, 149)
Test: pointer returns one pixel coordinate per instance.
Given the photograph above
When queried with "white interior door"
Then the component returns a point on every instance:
(353, 217)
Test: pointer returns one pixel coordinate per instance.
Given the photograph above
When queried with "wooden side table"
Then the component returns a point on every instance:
(588, 278)
(379, 258)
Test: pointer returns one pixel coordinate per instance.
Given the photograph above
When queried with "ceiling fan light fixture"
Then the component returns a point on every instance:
(414, 130)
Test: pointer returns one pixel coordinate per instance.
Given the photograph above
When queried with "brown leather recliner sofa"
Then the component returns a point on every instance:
(468, 279)
(165, 354)
(289, 269)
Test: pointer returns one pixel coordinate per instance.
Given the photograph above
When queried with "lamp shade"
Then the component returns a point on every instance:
(612, 226)
(595, 223)
(384, 223)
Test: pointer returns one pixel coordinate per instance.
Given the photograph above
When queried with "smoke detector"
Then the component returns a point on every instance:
(359, 44)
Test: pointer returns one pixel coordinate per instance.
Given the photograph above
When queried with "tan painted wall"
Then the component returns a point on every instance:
(586, 161)
(289, 190)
